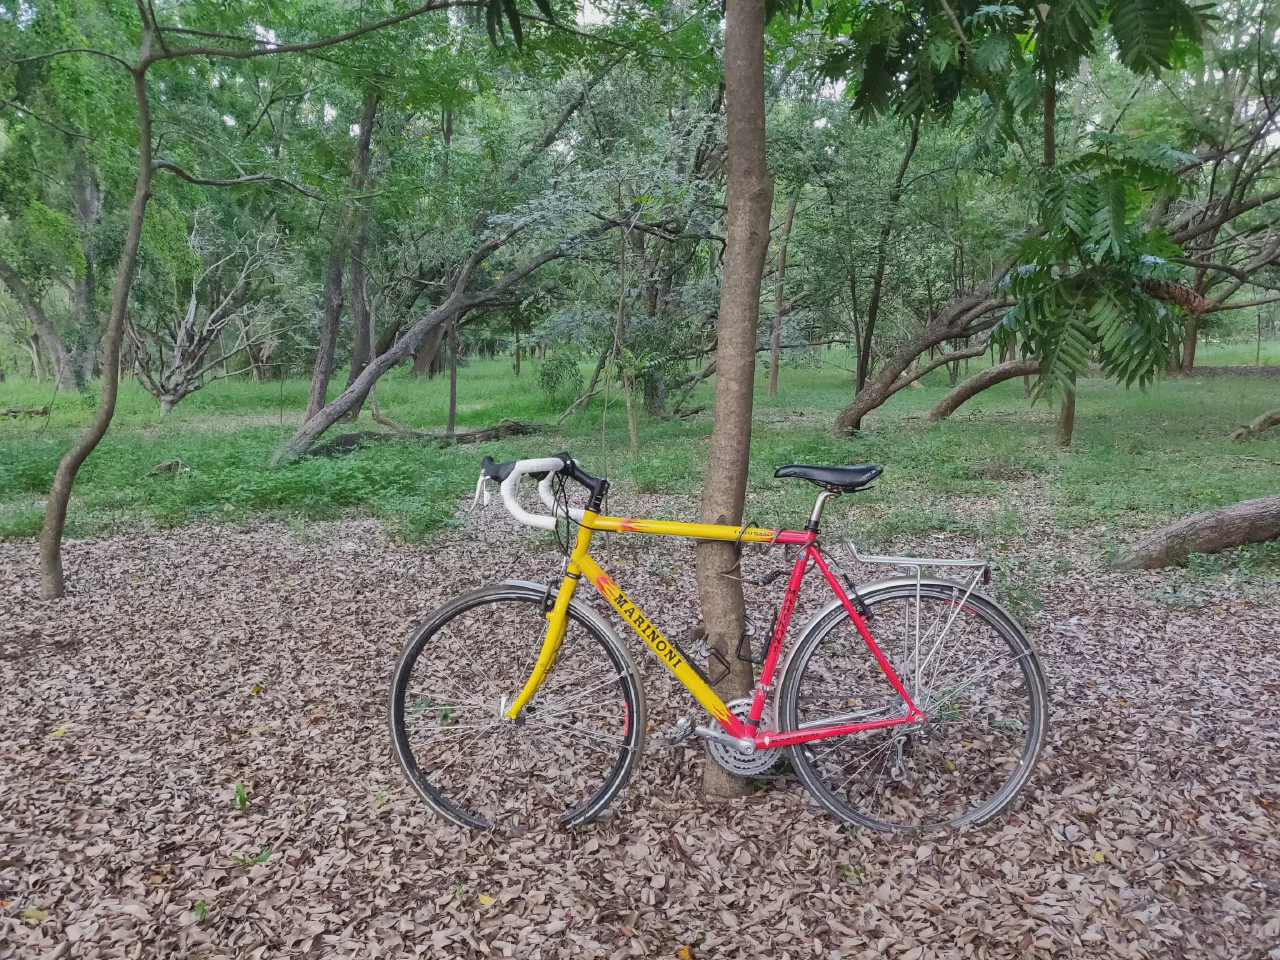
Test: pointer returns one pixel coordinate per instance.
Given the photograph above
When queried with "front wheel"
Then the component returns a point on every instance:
(967, 666)
(567, 755)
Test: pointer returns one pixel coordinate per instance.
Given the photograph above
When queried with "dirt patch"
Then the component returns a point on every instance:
(998, 468)
(185, 663)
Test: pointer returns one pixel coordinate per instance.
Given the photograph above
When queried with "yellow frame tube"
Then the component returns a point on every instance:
(557, 623)
(581, 564)
(676, 528)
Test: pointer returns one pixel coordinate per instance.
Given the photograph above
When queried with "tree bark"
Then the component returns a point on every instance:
(590, 392)
(45, 332)
(882, 256)
(328, 342)
(339, 247)
(1250, 521)
(52, 583)
(979, 382)
(750, 199)
(779, 293)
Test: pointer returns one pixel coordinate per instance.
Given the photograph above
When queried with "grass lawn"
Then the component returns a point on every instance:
(1138, 457)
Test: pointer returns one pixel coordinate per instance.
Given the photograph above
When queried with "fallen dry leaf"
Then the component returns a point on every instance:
(1150, 830)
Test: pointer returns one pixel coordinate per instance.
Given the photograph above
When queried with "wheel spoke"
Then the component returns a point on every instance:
(472, 764)
(978, 742)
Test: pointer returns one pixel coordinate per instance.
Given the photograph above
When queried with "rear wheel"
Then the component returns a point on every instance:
(565, 758)
(966, 665)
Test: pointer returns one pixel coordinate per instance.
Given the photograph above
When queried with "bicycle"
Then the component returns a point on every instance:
(474, 698)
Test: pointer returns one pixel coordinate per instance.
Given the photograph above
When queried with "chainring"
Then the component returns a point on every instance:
(761, 763)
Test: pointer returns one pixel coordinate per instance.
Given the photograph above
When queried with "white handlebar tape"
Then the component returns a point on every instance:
(511, 490)
(549, 498)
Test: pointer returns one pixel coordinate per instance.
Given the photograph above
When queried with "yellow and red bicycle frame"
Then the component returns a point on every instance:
(581, 564)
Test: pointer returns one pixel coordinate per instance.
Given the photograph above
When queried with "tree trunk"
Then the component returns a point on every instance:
(361, 338)
(425, 361)
(1050, 118)
(979, 382)
(88, 205)
(339, 246)
(633, 428)
(1189, 345)
(779, 293)
(1066, 417)
(37, 369)
(328, 341)
(882, 256)
(590, 392)
(750, 199)
(52, 584)
(654, 387)
(1251, 521)
(45, 332)
(453, 379)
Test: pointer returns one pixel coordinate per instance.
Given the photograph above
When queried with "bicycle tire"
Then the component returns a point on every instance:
(810, 764)
(495, 780)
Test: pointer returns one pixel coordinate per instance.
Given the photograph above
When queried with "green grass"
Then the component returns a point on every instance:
(1138, 457)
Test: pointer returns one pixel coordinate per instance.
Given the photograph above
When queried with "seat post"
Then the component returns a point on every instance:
(816, 516)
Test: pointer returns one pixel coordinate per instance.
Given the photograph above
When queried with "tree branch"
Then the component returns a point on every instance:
(911, 376)
(237, 182)
(1260, 302)
(65, 50)
(276, 48)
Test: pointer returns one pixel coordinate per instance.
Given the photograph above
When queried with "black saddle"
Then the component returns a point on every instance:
(834, 479)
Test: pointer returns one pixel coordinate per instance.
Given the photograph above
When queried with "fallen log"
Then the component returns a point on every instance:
(1256, 426)
(963, 392)
(1250, 521)
(505, 428)
(16, 412)
(345, 443)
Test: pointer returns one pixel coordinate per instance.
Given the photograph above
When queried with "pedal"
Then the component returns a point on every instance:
(681, 730)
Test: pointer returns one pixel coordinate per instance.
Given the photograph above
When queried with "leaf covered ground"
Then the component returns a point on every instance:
(194, 762)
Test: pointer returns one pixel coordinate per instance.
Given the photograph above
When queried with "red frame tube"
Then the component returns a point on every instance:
(774, 738)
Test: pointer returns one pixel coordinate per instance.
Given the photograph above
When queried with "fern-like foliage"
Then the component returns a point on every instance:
(1080, 284)
(922, 55)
